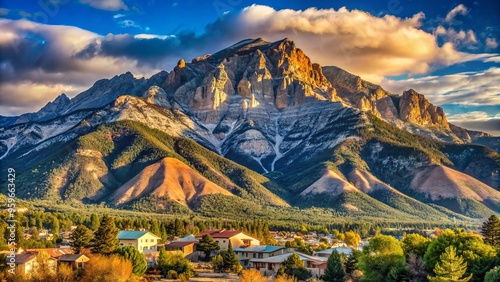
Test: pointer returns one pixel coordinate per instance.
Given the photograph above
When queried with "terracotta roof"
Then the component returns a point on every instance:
(178, 244)
(53, 252)
(220, 233)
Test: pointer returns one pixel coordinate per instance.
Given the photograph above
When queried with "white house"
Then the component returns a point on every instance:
(251, 252)
(238, 238)
(144, 241)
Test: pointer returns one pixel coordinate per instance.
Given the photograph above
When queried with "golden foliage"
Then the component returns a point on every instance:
(111, 268)
(252, 275)
(285, 278)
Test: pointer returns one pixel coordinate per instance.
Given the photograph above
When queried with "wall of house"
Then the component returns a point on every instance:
(147, 243)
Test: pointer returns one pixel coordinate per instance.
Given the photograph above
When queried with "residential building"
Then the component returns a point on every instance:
(326, 253)
(26, 263)
(77, 261)
(248, 253)
(144, 241)
(186, 247)
(270, 266)
(53, 252)
(237, 238)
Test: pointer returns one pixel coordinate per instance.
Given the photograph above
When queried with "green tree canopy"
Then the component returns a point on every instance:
(450, 268)
(381, 255)
(480, 257)
(491, 231)
(294, 266)
(81, 238)
(493, 275)
(139, 263)
(106, 237)
(230, 261)
(207, 245)
(174, 262)
(415, 243)
(334, 269)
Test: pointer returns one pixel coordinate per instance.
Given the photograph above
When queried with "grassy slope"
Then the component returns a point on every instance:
(117, 152)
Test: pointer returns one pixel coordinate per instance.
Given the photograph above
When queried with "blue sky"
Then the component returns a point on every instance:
(447, 50)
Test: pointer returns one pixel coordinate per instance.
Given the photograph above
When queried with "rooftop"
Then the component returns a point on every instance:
(283, 257)
(179, 244)
(220, 233)
(133, 234)
(259, 249)
(72, 258)
(340, 250)
(53, 252)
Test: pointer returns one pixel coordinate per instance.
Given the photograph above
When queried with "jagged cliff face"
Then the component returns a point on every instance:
(416, 109)
(267, 107)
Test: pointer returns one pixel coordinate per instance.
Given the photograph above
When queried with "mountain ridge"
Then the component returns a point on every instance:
(252, 114)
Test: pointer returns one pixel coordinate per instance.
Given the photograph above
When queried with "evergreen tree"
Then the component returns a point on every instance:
(207, 245)
(179, 228)
(450, 268)
(94, 222)
(230, 260)
(334, 269)
(493, 275)
(139, 263)
(491, 231)
(352, 261)
(81, 238)
(106, 237)
(294, 266)
(55, 225)
(155, 228)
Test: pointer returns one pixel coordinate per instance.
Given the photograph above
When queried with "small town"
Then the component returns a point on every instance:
(111, 254)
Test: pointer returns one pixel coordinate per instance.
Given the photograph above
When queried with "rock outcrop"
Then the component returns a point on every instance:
(415, 108)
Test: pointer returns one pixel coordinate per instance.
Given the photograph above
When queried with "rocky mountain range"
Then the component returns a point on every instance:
(252, 126)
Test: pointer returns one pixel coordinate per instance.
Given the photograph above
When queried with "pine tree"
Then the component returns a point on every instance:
(106, 237)
(451, 268)
(230, 259)
(207, 245)
(81, 238)
(334, 269)
(491, 231)
(139, 263)
(94, 222)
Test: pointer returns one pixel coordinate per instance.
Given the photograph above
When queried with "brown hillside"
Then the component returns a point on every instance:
(167, 178)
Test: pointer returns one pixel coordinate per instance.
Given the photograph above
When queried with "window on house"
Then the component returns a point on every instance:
(145, 248)
(80, 265)
(223, 241)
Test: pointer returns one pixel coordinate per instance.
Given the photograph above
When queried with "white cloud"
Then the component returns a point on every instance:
(117, 16)
(458, 10)
(38, 63)
(491, 43)
(477, 120)
(128, 23)
(459, 38)
(468, 88)
(369, 46)
(357, 41)
(109, 5)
